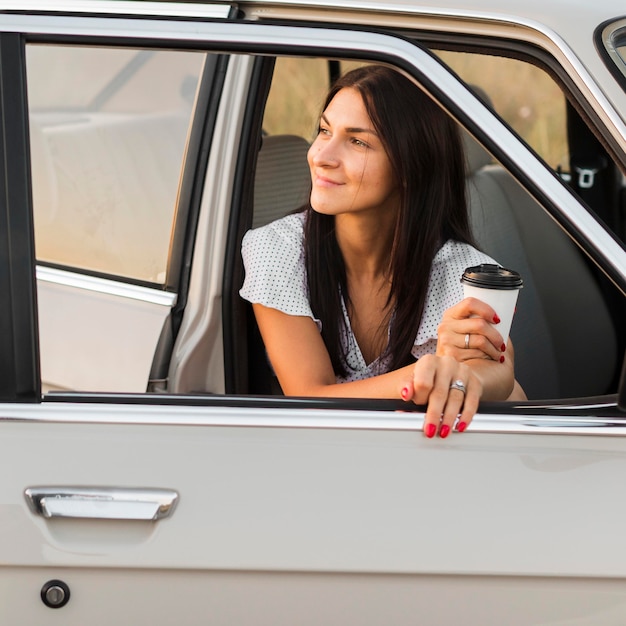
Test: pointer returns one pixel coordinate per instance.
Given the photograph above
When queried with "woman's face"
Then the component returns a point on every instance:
(350, 170)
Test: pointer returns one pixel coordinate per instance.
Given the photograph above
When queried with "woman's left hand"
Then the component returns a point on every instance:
(450, 390)
(468, 330)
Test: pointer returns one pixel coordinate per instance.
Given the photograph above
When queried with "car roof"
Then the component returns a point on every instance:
(572, 16)
(567, 28)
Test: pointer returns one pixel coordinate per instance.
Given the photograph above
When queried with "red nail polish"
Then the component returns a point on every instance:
(502, 359)
(430, 430)
(404, 393)
(502, 348)
(496, 319)
(444, 431)
(461, 426)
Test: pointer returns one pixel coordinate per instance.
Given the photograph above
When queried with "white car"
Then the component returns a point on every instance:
(151, 473)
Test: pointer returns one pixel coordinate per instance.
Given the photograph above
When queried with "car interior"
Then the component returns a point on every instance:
(565, 332)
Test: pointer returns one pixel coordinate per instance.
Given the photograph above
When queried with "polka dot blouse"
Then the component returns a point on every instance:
(273, 257)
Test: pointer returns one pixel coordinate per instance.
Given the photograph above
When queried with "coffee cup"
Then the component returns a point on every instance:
(498, 287)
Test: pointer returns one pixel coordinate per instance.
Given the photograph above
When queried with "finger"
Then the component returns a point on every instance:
(454, 405)
(467, 338)
(440, 399)
(470, 307)
(425, 391)
(470, 404)
(485, 343)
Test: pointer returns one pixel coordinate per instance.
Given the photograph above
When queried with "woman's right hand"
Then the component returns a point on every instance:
(468, 330)
(450, 390)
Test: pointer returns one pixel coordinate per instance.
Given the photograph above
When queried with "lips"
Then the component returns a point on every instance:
(322, 181)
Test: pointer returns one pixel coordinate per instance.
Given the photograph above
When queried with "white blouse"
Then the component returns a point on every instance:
(273, 257)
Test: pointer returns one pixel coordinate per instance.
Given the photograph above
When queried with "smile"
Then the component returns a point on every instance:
(321, 181)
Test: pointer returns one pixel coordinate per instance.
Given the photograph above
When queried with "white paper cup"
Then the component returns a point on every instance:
(498, 287)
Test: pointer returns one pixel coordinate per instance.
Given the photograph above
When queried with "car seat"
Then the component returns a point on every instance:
(282, 180)
(564, 337)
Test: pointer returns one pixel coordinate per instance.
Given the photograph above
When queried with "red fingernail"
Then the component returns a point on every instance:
(502, 359)
(404, 393)
(496, 319)
(430, 430)
(502, 348)
(444, 431)
(461, 426)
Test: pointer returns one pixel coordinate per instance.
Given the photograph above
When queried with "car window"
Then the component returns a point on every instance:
(524, 95)
(108, 130)
(294, 100)
(508, 222)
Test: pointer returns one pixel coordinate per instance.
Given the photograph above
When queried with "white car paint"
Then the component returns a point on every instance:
(292, 514)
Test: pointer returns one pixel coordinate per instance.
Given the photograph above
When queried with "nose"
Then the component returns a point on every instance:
(323, 153)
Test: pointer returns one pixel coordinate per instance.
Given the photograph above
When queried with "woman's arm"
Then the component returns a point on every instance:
(469, 332)
(303, 367)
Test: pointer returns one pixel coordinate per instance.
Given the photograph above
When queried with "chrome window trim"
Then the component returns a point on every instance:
(106, 286)
(557, 423)
(488, 24)
(287, 38)
(120, 7)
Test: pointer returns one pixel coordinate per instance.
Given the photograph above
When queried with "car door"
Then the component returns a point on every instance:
(209, 508)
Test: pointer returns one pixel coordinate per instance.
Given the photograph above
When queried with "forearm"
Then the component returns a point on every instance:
(497, 378)
(387, 385)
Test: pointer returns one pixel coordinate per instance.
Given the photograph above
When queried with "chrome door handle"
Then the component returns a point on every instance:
(111, 503)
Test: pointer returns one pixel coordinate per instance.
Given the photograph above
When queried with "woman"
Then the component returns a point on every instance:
(351, 291)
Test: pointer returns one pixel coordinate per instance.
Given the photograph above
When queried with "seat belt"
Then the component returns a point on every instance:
(592, 171)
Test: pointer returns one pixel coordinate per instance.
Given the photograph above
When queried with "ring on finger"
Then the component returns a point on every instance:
(467, 338)
(458, 384)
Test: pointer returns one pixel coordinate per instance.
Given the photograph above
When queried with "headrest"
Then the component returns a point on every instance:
(476, 156)
(282, 181)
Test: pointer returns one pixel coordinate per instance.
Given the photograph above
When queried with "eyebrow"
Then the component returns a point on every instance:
(353, 129)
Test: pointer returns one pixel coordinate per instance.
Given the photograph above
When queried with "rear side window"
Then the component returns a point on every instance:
(525, 96)
(108, 133)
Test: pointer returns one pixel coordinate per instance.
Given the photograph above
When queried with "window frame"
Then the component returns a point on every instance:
(376, 46)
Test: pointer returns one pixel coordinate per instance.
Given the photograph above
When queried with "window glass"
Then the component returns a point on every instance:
(108, 132)
(525, 96)
(295, 98)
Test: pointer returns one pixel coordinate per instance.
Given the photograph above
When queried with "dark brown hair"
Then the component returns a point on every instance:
(423, 144)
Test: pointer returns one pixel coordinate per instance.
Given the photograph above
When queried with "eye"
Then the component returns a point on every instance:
(359, 143)
(322, 130)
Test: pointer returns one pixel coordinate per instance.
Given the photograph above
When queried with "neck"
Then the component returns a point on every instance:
(365, 242)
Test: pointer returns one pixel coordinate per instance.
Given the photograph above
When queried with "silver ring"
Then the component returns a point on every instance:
(458, 384)
(467, 341)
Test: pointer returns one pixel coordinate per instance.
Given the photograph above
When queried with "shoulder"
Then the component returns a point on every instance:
(454, 256)
(286, 233)
(444, 288)
(447, 268)
(275, 274)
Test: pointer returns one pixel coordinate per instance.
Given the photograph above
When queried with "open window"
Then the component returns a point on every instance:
(566, 295)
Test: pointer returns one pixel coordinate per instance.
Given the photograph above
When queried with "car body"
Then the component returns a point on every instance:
(151, 474)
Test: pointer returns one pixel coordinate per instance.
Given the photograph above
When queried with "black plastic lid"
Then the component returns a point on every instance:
(492, 276)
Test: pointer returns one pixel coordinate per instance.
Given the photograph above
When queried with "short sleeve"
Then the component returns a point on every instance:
(275, 274)
(444, 290)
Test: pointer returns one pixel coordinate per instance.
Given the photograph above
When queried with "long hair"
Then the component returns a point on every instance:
(425, 150)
